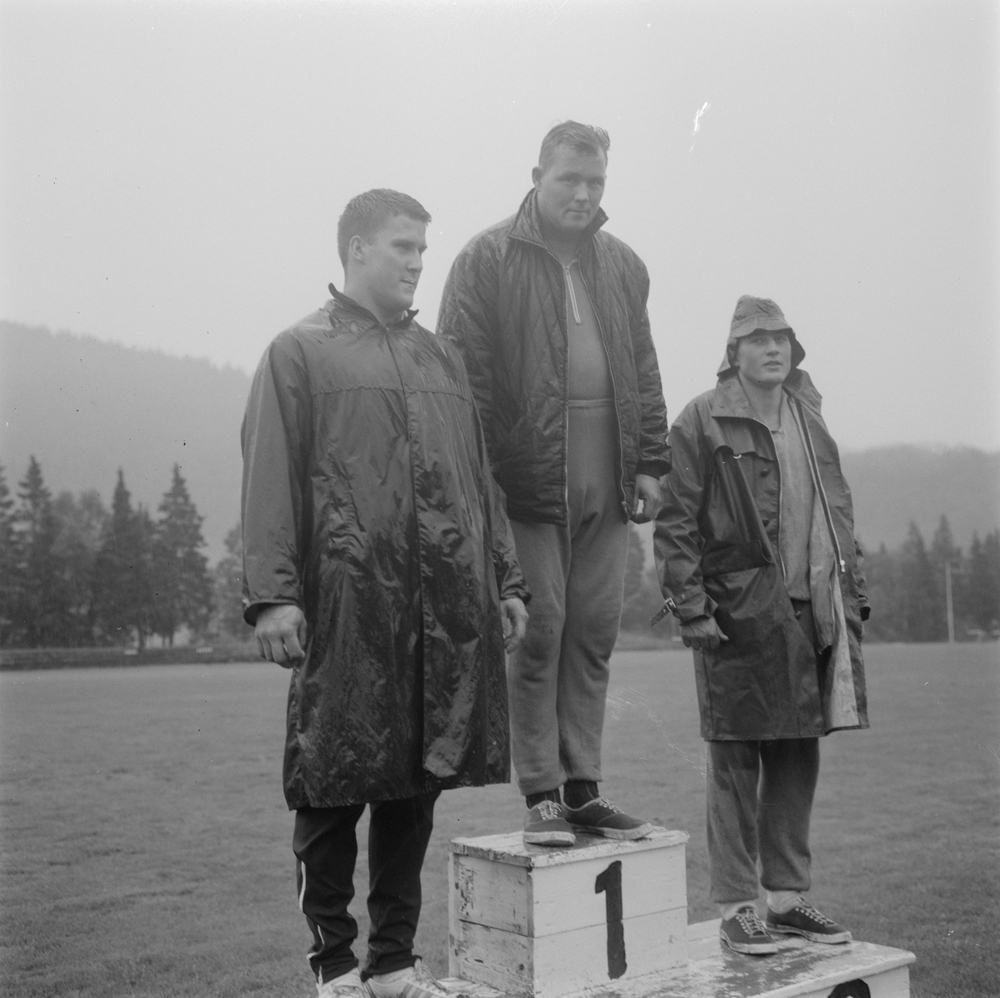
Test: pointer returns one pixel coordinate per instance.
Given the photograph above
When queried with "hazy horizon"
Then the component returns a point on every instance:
(172, 173)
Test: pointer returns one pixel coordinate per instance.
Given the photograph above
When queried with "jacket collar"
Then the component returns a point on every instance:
(729, 399)
(528, 227)
(350, 305)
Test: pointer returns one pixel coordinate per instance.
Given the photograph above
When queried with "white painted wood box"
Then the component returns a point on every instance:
(544, 922)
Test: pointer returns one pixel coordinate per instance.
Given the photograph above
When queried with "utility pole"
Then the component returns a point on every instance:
(949, 609)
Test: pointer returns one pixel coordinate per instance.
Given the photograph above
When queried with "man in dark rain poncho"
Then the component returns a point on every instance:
(379, 567)
(757, 558)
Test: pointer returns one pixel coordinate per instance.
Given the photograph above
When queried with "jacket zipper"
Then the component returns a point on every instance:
(565, 390)
(572, 295)
(621, 485)
(824, 502)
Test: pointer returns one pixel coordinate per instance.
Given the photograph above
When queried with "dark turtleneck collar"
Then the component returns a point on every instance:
(404, 319)
(528, 224)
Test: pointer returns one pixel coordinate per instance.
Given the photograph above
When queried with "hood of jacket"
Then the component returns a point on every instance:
(729, 399)
(344, 303)
(754, 314)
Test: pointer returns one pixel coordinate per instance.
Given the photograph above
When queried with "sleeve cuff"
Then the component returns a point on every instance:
(252, 609)
(655, 469)
(688, 606)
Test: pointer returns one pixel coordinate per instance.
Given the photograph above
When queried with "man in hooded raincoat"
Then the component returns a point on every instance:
(379, 566)
(549, 311)
(757, 558)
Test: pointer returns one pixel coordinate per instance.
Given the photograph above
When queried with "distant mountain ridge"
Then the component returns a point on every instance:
(85, 407)
(893, 486)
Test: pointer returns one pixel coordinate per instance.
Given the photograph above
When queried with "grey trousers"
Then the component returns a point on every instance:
(759, 802)
(760, 797)
(558, 680)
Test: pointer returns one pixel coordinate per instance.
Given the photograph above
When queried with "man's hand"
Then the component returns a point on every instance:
(647, 492)
(515, 620)
(281, 634)
(702, 634)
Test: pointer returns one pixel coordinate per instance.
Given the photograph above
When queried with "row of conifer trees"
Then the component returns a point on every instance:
(75, 573)
(913, 589)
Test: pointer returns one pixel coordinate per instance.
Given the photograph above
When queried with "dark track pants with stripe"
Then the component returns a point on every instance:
(326, 848)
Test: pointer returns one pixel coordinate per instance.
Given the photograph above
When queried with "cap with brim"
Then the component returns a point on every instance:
(753, 314)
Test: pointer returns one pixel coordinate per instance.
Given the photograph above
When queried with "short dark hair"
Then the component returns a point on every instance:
(582, 138)
(366, 213)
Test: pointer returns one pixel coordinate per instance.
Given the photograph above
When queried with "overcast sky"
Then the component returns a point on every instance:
(172, 172)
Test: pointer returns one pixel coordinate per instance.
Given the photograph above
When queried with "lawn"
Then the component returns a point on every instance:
(146, 842)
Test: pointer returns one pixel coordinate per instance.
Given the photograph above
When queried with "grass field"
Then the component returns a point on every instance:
(146, 843)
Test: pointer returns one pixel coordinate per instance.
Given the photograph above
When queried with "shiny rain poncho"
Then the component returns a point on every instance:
(716, 541)
(368, 502)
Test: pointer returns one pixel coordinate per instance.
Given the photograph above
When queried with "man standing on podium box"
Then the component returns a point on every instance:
(757, 558)
(379, 567)
(549, 311)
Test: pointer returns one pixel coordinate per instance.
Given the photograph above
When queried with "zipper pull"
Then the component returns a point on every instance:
(572, 294)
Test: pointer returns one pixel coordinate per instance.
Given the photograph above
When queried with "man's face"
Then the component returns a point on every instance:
(570, 189)
(392, 262)
(765, 358)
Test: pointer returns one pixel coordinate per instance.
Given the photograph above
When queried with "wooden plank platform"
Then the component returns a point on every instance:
(799, 970)
(509, 848)
(547, 922)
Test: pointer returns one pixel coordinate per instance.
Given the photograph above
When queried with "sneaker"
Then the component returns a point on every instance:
(600, 817)
(745, 933)
(544, 825)
(805, 920)
(411, 982)
(346, 986)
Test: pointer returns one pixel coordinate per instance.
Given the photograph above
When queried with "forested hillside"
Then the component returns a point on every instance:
(86, 408)
(894, 486)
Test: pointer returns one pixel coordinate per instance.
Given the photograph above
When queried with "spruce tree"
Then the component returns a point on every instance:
(181, 579)
(983, 593)
(40, 602)
(923, 618)
(991, 602)
(885, 594)
(81, 530)
(9, 560)
(123, 598)
(229, 587)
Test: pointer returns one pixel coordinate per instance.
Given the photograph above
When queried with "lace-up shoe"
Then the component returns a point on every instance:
(745, 933)
(412, 982)
(346, 986)
(600, 817)
(545, 825)
(805, 920)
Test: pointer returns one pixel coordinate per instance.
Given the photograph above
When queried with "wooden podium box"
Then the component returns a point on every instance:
(546, 922)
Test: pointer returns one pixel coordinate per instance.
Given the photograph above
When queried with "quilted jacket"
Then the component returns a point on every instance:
(504, 307)
(368, 502)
